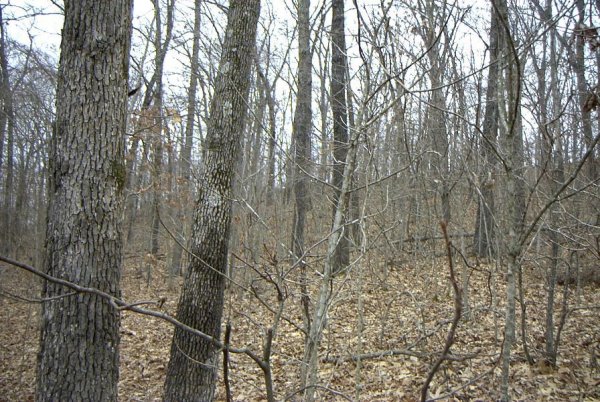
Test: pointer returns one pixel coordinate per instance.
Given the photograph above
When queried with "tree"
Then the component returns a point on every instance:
(484, 238)
(185, 160)
(513, 164)
(339, 109)
(79, 353)
(7, 120)
(192, 369)
(157, 141)
(148, 130)
(302, 136)
(434, 16)
(583, 93)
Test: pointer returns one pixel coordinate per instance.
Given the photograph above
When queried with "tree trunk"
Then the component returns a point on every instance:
(4, 86)
(302, 158)
(514, 205)
(582, 88)
(192, 369)
(556, 178)
(79, 354)
(485, 233)
(157, 129)
(7, 124)
(270, 103)
(323, 299)
(185, 161)
(339, 108)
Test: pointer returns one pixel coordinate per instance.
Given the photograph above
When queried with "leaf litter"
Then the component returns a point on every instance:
(404, 316)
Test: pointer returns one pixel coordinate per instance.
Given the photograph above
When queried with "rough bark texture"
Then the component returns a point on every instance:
(79, 357)
(339, 109)
(192, 370)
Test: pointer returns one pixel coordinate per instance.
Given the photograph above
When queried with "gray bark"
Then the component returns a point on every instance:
(513, 169)
(437, 124)
(7, 124)
(186, 154)
(79, 352)
(302, 158)
(192, 369)
(157, 141)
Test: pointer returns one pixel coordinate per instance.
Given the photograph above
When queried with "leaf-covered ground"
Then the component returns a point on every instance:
(404, 311)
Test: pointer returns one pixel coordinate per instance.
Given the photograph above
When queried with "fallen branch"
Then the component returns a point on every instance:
(395, 352)
(121, 305)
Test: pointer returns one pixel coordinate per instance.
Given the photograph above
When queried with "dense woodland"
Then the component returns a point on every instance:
(299, 200)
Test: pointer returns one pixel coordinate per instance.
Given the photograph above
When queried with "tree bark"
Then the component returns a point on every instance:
(484, 241)
(436, 116)
(7, 125)
(157, 130)
(185, 161)
(302, 158)
(513, 169)
(192, 369)
(582, 88)
(339, 109)
(79, 355)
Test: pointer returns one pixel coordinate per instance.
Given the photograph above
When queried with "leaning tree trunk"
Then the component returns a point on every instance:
(192, 370)
(79, 355)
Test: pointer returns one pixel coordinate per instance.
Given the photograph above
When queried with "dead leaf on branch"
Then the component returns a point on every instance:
(591, 103)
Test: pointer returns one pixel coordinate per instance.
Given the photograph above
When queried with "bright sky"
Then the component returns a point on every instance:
(41, 20)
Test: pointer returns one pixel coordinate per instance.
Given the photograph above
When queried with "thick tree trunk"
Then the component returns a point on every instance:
(192, 370)
(79, 355)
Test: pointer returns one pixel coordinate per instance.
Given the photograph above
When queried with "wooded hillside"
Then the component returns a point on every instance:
(300, 200)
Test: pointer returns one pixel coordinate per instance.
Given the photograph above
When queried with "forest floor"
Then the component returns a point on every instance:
(404, 312)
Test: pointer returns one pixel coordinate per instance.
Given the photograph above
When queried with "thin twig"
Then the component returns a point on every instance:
(226, 363)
